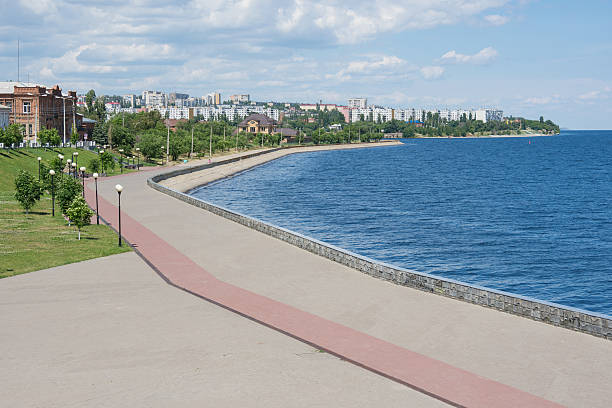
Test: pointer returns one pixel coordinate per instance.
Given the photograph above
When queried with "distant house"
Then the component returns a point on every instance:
(257, 123)
(86, 130)
(172, 123)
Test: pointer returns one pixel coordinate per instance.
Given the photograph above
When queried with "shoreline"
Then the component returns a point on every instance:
(485, 137)
(190, 181)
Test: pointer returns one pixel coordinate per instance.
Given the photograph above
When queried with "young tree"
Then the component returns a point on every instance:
(150, 145)
(79, 213)
(94, 165)
(66, 190)
(107, 161)
(13, 134)
(27, 190)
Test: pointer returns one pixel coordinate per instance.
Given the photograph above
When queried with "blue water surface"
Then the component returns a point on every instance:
(531, 216)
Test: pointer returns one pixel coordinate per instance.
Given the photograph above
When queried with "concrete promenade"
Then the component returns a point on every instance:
(557, 364)
(505, 352)
(109, 332)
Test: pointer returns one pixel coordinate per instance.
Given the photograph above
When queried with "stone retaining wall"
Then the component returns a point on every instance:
(575, 319)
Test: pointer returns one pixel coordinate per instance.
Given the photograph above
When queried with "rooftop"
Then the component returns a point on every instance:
(258, 117)
(9, 86)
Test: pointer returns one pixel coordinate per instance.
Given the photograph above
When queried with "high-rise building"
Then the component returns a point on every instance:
(240, 98)
(130, 100)
(154, 98)
(359, 103)
(173, 96)
(214, 98)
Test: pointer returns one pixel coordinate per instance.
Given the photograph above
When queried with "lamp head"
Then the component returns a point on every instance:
(95, 175)
(39, 158)
(121, 150)
(119, 188)
(69, 161)
(74, 165)
(101, 151)
(52, 172)
(76, 153)
(82, 169)
(138, 149)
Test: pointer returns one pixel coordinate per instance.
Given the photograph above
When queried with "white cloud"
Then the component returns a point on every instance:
(376, 66)
(496, 19)
(481, 57)
(432, 72)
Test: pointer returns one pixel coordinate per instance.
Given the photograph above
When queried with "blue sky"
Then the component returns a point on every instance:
(529, 58)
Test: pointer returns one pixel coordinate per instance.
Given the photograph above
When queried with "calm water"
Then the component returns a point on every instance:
(529, 216)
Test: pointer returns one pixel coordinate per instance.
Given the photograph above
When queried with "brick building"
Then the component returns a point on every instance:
(37, 107)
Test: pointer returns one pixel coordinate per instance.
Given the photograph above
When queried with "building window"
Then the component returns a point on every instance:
(252, 129)
(30, 129)
(27, 107)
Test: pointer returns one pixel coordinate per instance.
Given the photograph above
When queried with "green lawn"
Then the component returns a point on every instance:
(38, 240)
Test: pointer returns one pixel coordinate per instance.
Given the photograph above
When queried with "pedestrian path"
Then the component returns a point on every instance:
(261, 288)
(108, 332)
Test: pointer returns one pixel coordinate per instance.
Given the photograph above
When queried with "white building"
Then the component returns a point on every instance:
(359, 103)
(207, 113)
(130, 100)
(240, 98)
(5, 113)
(154, 98)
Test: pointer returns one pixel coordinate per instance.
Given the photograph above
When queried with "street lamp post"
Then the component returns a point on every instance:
(138, 153)
(39, 159)
(69, 163)
(95, 176)
(100, 153)
(74, 170)
(76, 158)
(121, 160)
(119, 189)
(83, 177)
(61, 157)
(52, 173)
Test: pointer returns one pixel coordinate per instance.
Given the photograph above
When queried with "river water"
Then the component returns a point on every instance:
(531, 216)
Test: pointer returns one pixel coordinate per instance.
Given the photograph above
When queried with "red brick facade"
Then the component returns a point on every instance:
(36, 107)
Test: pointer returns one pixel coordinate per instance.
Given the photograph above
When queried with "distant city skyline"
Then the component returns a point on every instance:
(529, 58)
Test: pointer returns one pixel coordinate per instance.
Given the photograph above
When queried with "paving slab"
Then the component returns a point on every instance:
(110, 332)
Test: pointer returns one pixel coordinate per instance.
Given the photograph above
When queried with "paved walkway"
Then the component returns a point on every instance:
(109, 332)
(479, 343)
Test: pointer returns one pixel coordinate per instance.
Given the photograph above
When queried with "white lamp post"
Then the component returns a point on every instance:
(52, 173)
(83, 177)
(119, 189)
(39, 159)
(95, 176)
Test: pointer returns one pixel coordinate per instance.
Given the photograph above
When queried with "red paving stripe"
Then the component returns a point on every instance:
(442, 381)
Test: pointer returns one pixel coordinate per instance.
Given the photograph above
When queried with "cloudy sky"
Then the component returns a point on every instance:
(529, 58)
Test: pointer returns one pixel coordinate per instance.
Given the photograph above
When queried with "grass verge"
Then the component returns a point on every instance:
(38, 240)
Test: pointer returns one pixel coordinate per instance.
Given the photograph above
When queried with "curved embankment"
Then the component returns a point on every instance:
(195, 177)
(175, 183)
